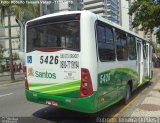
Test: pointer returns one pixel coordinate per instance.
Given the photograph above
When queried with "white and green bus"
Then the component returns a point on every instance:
(83, 62)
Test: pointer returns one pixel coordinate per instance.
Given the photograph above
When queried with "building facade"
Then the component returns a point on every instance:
(60, 5)
(109, 9)
(4, 37)
(125, 18)
(4, 43)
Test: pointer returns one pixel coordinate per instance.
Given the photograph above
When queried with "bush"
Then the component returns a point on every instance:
(158, 50)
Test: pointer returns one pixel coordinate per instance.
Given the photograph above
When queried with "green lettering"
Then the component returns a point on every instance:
(45, 75)
(36, 73)
(54, 76)
(50, 75)
(40, 74)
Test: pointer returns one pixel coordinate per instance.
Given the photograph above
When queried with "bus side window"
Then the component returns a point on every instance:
(100, 34)
(144, 50)
(105, 40)
(121, 45)
(132, 47)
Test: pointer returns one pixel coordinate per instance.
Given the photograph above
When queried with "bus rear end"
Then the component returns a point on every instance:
(54, 72)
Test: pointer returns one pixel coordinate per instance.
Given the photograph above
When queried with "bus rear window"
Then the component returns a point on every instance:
(65, 35)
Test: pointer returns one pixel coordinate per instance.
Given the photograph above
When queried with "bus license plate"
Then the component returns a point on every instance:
(52, 103)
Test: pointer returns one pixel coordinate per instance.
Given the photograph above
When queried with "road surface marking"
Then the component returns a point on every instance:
(10, 83)
(6, 94)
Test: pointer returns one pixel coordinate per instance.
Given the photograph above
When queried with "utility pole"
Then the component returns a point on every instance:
(40, 8)
(21, 34)
(10, 45)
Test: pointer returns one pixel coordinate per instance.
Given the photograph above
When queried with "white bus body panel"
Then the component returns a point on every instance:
(88, 46)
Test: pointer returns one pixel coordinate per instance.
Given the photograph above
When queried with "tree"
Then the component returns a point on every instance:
(147, 14)
(8, 8)
(158, 36)
(1, 51)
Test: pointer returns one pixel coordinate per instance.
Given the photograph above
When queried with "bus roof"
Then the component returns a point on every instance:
(57, 14)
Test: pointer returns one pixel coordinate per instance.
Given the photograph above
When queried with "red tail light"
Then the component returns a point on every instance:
(78, 16)
(86, 88)
(25, 74)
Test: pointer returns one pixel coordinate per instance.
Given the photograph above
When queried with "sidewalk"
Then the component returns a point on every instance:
(7, 78)
(150, 107)
(147, 103)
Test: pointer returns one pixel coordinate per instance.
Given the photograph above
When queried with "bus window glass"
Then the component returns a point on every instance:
(144, 50)
(64, 35)
(132, 48)
(101, 33)
(121, 46)
(105, 43)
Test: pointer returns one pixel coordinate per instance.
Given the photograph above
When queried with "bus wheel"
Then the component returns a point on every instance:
(128, 94)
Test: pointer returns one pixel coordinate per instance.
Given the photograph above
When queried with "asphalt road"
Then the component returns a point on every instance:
(14, 104)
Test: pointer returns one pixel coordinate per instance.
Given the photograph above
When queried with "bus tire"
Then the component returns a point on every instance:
(127, 94)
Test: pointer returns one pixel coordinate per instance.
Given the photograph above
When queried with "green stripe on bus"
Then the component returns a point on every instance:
(60, 86)
(124, 70)
(63, 91)
(112, 75)
(37, 84)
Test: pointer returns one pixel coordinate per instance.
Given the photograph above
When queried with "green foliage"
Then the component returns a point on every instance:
(8, 8)
(147, 14)
(158, 36)
(20, 10)
(158, 50)
(1, 51)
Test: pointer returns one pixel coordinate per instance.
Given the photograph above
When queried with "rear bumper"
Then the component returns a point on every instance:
(86, 105)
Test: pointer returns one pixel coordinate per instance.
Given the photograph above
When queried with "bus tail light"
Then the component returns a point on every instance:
(86, 88)
(78, 16)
